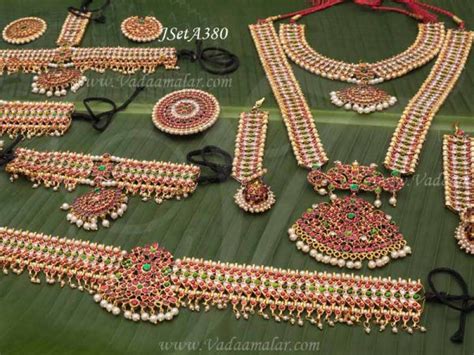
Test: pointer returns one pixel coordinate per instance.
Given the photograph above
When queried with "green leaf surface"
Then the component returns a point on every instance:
(47, 319)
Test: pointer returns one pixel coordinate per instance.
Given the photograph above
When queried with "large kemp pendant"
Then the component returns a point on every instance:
(349, 230)
(363, 97)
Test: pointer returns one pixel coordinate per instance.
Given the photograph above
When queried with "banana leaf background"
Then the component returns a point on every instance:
(44, 319)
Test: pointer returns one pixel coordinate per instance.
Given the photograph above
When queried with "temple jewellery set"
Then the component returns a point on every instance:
(148, 283)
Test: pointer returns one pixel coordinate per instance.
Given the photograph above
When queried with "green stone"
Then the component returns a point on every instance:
(146, 267)
(101, 167)
(395, 173)
(322, 289)
(368, 293)
(416, 296)
(387, 294)
(351, 215)
(203, 276)
(331, 289)
(354, 187)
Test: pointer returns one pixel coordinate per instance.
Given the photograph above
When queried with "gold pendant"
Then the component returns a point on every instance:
(363, 98)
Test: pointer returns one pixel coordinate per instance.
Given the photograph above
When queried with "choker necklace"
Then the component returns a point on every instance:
(346, 242)
(458, 162)
(34, 119)
(112, 179)
(62, 68)
(363, 97)
(148, 284)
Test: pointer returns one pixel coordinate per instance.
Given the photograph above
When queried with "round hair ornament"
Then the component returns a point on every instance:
(186, 112)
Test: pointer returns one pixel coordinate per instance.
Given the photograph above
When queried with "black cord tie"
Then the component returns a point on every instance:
(7, 155)
(102, 120)
(221, 171)
(451, 300)
(80, 12)
(214, 60)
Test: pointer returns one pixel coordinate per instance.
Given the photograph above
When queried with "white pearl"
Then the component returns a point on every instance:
(322, 192)
(97, 298)
(116, 311)
(313, 253)
(293, 237)
(393, 201)
(103, 303)
(169, 316)
(299, 244)
(145, 316)
(135, 317)
(127, 314)
(377, 203)
(153, 319)
(341, 263)
(305, 248)
(109, 307)
(407, 249)
(333, 197)
(106, 223)
(372, 264)
(161, 317)
(175, 311)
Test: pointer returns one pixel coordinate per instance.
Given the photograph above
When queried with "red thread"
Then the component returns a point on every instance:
(414, 8)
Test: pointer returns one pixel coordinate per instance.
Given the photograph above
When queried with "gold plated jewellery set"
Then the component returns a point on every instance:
(147, 283)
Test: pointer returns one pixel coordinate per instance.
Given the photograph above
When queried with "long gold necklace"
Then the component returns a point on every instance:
(348, 231)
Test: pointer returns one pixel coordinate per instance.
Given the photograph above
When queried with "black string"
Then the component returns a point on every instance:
(80, 12)
(214, 60)
(221, 171)
(7, 155)
(461, 303)
(102, 120)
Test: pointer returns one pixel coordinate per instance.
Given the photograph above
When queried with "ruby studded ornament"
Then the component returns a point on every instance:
(348, 230)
